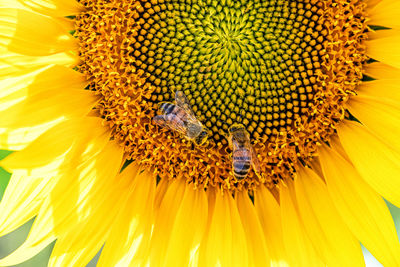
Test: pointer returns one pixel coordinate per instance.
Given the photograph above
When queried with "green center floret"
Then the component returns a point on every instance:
(248, 62)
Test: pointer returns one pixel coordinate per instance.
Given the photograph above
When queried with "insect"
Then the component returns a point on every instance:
(180, 117)
(243, 154)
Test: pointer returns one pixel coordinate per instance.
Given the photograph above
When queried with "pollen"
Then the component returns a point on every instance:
(283, 69)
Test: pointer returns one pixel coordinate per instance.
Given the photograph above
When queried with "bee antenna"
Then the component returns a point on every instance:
(173, 89)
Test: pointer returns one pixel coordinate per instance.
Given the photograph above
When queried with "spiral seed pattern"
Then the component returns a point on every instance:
(249, 62)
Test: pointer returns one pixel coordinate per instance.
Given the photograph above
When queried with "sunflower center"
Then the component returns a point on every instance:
(249, 62)
(282, 69)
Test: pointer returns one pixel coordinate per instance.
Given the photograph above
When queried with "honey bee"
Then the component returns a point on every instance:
(181, 118)
(243, 154)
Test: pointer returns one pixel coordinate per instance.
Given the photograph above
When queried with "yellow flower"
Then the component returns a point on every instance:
(315, 83)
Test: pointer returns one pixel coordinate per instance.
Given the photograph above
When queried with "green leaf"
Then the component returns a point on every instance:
(4, 176)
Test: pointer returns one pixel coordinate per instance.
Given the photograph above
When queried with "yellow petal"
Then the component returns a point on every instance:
(165, 219)
(80, 186)
(197, 257)
(46, 149)
(162, 187)
(40, 81)
(76, 199)
(256, 244)
(23, 32)
(27, 250)
(29, 82)
(385, 49)
(44, 81)
(337, 146)
(56, 8)
(316, 167)
(372, 3)
(22, 200)
(381, 89)
(134, 223)
(83, 181)
(224, 243)
(379, 70)
(15, 88)
(239, 249)
(48, 106)
(380, 117)
(189, 227)
(386, 13)
(268, 211)
(377, 163)
(296, 241)
(381, 34)
(13, 4)
(14, 64)
(20, 138)
(84, 218)
(331, 238)
(53, 144)
(361, 208)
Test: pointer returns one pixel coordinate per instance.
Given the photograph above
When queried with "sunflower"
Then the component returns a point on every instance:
(314, 83)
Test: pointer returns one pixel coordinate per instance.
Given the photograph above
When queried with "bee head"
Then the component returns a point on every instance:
(235, 127)
(201, 138)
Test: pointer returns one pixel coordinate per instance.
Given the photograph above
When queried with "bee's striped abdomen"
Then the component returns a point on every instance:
(241, 163)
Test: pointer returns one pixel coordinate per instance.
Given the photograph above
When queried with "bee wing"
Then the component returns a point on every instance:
(254, 160)
(171, 122)
(182, 102)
